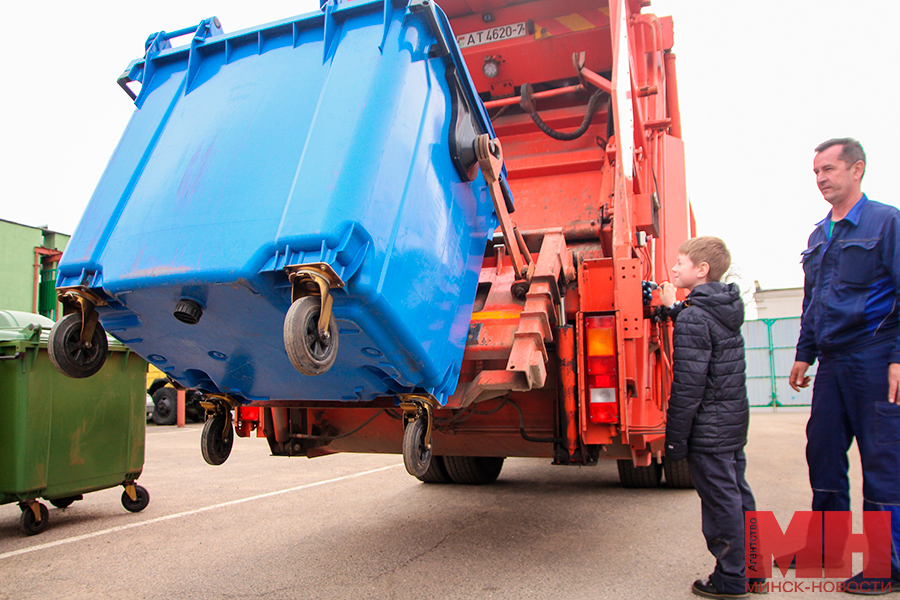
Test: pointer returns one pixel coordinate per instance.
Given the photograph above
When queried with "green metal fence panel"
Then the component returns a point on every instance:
(47, 294)
(769, 346)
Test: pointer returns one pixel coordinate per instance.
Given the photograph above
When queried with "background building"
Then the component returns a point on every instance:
(28, 259)
(779, 303)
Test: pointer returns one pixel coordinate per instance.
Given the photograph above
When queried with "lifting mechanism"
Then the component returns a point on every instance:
(537, 282)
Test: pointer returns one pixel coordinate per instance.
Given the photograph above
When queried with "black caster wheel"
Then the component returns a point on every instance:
(140, 503)
(30, 525)
(309, 353)
(69, 354)
(416, 457)
(217, 439)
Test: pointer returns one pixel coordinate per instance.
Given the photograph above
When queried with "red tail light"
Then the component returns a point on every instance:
(602, 371)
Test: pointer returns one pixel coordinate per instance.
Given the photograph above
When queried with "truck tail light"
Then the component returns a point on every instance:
(602, 371)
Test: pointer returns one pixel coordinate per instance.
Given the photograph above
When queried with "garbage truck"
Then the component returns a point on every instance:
(400, 226)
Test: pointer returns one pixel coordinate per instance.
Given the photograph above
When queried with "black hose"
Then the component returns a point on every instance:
(304, 436)
(529, 438)
(528, 106)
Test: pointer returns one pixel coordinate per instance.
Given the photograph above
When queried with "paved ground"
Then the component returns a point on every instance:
(357, 526)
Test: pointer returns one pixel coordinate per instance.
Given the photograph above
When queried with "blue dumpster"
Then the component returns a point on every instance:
(326, 161)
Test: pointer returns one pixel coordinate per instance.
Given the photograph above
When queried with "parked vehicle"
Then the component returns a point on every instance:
(163, 404)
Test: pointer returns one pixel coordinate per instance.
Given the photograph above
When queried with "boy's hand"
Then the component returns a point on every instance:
(667, 293)
(799, 378)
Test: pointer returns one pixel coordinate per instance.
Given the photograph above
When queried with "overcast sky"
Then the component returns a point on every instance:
(760, 83)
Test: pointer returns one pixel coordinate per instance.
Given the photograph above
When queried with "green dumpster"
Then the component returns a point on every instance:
(60, 437)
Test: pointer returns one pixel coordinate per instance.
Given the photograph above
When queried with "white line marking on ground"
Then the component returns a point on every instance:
(188, 513)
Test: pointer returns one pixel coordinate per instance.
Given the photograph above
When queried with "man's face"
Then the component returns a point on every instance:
(686, 275)
(837, 180)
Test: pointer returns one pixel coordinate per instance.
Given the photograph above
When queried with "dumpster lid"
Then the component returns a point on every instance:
(16, 319)
(17, 326)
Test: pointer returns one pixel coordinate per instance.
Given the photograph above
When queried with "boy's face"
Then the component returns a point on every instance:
(687, 275)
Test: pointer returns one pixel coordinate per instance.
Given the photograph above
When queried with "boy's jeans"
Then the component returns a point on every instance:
(724, 496)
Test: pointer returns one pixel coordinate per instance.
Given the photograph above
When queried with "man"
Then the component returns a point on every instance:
(850, 322)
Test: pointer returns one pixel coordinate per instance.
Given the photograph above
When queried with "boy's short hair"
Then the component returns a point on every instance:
(710, 250)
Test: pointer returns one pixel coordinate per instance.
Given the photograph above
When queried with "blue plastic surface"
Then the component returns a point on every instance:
(323, 138)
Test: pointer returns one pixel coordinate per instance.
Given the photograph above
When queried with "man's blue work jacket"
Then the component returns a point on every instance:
(851, 284)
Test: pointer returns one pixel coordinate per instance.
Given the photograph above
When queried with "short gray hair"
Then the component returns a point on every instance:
(851, 151)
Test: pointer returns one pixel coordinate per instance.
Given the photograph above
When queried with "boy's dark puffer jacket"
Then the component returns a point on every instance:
(708, 409)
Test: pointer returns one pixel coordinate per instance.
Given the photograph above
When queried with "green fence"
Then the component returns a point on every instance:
(770, 345)
(47, 294)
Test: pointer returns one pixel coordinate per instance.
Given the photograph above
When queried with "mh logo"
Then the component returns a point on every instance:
(820, 541)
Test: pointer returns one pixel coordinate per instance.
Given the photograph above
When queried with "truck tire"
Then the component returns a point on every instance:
(678, 473)
(639, 477)
(437, 472)
(157, 384)
(473, 470)
(165, 406)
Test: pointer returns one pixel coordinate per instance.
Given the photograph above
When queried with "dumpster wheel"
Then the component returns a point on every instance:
(72, 356)
(217, 438)
(135, 498)
(35, 517)
(416, 453)
(418, 418)
(310, 352)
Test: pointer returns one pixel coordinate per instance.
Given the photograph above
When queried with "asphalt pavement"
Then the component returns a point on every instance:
(357, 526)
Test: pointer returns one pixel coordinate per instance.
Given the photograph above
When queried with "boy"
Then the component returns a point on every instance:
(708, 412)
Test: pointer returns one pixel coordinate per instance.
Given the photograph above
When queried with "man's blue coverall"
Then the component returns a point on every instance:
(850, 323)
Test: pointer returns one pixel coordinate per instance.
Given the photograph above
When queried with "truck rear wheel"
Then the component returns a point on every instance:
(436, 473)
(678, 473)
(639, 477)
(473, 470)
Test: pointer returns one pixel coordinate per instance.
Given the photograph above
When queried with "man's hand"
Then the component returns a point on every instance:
(893, 382)
(667, 293)
(799, 378)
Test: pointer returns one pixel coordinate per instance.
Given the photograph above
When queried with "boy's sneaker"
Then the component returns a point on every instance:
(872, 586)
(705, 588)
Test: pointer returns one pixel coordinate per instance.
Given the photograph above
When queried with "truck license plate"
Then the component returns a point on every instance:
(494, 34)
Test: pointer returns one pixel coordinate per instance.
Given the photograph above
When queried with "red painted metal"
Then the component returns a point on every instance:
(594, 217)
